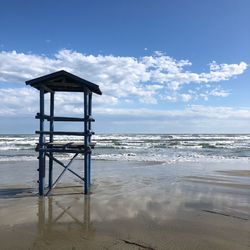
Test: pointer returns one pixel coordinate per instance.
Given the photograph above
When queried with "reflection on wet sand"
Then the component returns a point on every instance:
(51, 218)
(154, 220)
(142, 219)
(143, 212)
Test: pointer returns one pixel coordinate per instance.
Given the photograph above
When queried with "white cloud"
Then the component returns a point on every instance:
(18, 101)
(119, 77)
(219, 92)
(191, 119)
(169, 98)
(77, 98)
(125, 81)
(222, 72)
(193, 111)
(24, 102)
(186, 97)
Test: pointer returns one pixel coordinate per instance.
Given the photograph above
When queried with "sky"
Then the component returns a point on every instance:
(163, 66)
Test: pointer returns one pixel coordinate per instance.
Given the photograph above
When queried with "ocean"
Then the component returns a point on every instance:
(163, 148)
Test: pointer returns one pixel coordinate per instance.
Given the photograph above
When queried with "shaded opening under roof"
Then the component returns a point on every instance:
(63, 81)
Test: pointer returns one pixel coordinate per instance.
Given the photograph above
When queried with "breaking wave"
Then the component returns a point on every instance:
(142, 147)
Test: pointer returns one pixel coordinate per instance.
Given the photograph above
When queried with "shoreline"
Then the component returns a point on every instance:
(132, 206)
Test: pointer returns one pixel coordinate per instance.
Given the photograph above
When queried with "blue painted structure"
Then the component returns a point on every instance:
(64, 82)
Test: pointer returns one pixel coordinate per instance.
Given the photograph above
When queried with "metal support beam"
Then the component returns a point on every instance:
(51, 129)
(60, 176)
(86, 143)
(65, 133)
(64, 119)
(89, 127)
(55, 150)
(41, 142)
(61, 164)
(46, 88)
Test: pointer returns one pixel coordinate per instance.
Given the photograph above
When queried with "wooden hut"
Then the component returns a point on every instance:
(62, 81)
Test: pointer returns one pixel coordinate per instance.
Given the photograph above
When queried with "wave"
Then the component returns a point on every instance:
(150, 147)
(161, 159)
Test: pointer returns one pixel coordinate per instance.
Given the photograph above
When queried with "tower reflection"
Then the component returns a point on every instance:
(63, 218)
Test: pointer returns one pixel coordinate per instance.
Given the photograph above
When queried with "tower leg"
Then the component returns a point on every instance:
(50, 171)
(86, 143)
(89, 126)
(86, 174)
(51, 128)
(41, 145)
(89, 160)
(41, 173)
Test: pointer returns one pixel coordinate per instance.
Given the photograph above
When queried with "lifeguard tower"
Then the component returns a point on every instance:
(62, 81)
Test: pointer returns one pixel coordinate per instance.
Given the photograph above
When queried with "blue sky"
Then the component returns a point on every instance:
(163, 66)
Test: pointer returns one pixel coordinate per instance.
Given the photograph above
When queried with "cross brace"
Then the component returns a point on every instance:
(66, 167)
(61, 164)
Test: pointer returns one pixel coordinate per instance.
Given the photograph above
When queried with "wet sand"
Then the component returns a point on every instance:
(132, 206)
(237, 172)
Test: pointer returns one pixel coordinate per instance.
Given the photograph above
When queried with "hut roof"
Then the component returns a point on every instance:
(63, 81)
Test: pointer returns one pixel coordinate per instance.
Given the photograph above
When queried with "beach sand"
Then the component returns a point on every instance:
(132, 206)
